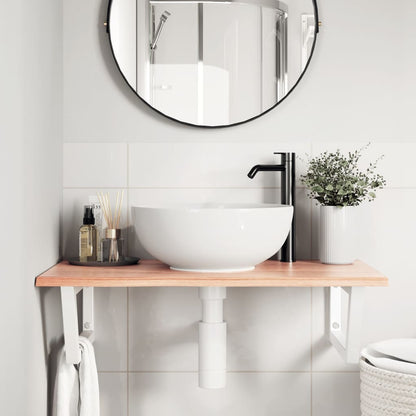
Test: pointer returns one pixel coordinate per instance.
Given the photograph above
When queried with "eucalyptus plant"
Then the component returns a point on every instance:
(334, 179)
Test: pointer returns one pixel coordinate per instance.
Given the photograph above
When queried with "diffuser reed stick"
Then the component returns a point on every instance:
(112, 220)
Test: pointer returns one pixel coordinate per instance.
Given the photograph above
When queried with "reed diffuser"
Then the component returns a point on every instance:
(112, 242)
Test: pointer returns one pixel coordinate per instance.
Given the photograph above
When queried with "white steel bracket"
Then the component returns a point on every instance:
(346, 341)
(70, 320)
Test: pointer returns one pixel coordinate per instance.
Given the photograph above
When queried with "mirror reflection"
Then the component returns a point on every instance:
(212, 63)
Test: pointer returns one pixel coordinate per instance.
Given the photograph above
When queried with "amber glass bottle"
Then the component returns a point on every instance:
(88, 236)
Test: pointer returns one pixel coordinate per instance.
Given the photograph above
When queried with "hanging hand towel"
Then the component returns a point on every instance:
(88, 381)
(66, 393)
(76, 392)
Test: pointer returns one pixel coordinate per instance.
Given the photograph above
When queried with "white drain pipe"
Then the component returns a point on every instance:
(212, 338)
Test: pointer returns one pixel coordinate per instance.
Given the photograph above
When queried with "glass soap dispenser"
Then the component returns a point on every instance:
(88, 236)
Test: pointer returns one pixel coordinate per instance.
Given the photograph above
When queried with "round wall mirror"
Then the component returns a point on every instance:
(212, 63)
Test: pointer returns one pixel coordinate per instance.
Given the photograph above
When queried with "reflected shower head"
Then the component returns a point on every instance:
(165, 15)
(162, 21)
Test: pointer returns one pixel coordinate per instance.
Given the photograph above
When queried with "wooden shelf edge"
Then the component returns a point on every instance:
(221, 283)
(151, 273)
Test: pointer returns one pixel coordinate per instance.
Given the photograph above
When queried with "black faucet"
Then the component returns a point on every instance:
(288, 187)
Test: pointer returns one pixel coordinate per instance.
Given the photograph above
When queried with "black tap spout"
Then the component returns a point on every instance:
(265, 168)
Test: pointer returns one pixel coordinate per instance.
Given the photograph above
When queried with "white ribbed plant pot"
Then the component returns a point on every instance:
(337, 235)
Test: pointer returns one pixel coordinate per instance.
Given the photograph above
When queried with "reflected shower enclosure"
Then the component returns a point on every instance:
(207, 63)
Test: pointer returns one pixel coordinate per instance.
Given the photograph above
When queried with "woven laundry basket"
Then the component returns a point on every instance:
(386, 393)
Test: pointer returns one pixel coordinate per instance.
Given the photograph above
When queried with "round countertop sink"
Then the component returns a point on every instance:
(212, 237)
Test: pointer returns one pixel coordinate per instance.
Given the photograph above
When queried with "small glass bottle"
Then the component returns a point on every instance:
(113, 245)
(88, 236)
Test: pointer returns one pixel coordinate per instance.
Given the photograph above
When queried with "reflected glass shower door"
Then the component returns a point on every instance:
(222, 62)
(173, 69)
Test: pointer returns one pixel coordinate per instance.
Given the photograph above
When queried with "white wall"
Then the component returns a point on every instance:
(31, 182)
(296, 9)
(360, 87)
(355, 57)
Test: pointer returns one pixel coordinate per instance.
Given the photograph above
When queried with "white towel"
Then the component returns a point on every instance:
(388, 363)
(396, 355)
(403, 348)
(76, 391)
(88, 380)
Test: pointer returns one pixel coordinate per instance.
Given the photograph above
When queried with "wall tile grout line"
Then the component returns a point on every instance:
(178, 187)
(311, 300)
(228, 372)
(112, 371)
(127, 357)
(311, 350)
(195, 188)
(128, 193)
(127, 289)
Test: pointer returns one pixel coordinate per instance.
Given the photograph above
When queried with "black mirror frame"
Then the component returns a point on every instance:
(317, 23)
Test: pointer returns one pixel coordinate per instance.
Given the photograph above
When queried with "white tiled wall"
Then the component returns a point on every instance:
(279, 361)
(113, 393)
(335, 394)
(246, 394)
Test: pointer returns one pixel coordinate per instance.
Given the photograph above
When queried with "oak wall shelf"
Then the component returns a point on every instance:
(212, 291)
(268, 274)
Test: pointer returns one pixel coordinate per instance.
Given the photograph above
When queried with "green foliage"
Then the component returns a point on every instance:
(335, 179)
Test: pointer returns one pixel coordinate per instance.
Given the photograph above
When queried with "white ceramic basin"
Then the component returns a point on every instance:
(213, 237)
